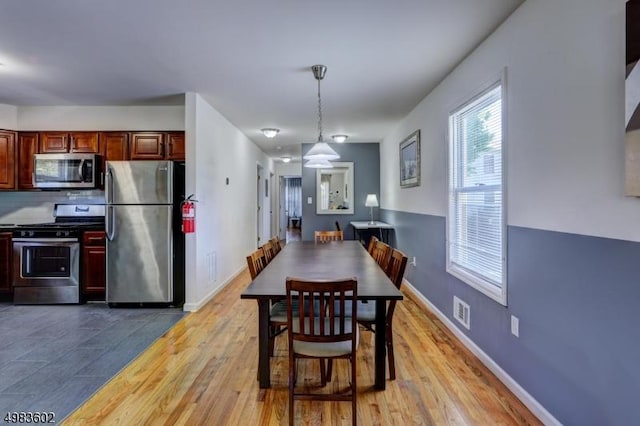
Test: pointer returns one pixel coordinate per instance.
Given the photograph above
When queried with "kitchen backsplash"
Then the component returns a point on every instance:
(37, 206)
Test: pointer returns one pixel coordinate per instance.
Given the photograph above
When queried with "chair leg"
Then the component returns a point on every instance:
(329, 369)
(354, 390)
(292, 381)
(323, 373)
(392, 361)
(272, 339)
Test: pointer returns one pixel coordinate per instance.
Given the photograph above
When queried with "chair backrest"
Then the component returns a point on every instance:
(323, 316)
(269, 254)
(381, 253)
(396, 266)
(326, 236)
(372, 244)
(256, 263)
(275, 241)
(395, 272)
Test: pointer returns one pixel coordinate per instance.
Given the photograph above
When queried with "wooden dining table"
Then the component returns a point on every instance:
(327, 261)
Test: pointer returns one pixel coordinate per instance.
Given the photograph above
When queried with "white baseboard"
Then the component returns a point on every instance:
(529, 401)
(193, 307)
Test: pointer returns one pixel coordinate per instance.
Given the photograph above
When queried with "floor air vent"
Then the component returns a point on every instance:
(462, 312)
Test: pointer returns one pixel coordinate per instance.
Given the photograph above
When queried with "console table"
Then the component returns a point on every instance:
(382, 227)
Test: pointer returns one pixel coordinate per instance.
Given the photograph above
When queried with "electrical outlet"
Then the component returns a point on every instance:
(413, 261)
(515, 326)
(309, 200)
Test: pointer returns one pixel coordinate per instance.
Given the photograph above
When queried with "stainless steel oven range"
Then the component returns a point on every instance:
(46, 264)
(46, 257)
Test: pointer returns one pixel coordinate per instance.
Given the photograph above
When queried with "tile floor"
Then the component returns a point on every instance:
(54, 357)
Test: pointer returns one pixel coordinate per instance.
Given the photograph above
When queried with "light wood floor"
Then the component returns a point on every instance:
(203, 372)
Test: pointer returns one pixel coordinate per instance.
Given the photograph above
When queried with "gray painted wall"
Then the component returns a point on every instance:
(577, 299)
(366, 180)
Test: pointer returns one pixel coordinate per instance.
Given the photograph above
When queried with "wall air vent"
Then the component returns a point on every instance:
(462, 312)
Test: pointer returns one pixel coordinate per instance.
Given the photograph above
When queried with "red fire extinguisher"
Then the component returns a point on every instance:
(189, 215)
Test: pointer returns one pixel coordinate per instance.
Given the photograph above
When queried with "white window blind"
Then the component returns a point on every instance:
(476, 220)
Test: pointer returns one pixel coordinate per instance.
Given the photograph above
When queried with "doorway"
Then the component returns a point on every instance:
(260, 197)
(291, 207)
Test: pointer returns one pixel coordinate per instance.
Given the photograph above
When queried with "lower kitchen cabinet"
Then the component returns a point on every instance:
(6, 278)
(94, 271)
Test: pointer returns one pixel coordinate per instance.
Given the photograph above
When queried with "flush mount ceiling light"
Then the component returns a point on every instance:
(319, 164)
(321, 150)
(339, 138)
(270, 132)
(285, 159)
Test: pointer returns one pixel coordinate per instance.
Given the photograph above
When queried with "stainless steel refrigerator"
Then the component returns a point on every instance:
(142, 245)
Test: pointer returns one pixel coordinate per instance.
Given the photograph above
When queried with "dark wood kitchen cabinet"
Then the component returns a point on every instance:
(62, 142)
(27, 147)
(157, 146)
(94, 270)
(147, 146)
(115, 146)
(175, 146)
(6, 277)
(7, 160)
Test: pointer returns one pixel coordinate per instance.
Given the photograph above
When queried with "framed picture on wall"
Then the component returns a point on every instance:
(410, 160)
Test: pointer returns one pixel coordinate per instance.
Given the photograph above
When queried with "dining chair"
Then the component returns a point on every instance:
(277, 246)
(268, 250)
(278, 308)
(326, 236)
(338, 226)
(381, 253)
(372, 244)
(256, 263)
(367, 312)
(320, 331)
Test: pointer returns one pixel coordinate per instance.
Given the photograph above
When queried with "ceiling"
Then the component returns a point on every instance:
(250, 59)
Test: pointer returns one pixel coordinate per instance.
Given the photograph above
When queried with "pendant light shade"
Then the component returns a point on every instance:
(321, 151)
(318, 164)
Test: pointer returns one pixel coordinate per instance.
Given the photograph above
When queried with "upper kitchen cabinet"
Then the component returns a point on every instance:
(147, 146)
(115, 145)
(157, 146)
(175, 146)
(7, 160)
(27, 148)
(61, 142)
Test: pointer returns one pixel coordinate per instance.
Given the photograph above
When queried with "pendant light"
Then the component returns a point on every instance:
(321, 150)
(319, 164)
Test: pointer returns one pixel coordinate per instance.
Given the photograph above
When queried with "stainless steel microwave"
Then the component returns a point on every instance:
(54, 171)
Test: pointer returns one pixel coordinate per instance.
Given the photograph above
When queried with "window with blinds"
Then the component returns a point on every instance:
(476, 228)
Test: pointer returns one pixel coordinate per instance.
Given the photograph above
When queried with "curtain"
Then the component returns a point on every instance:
(293, 196)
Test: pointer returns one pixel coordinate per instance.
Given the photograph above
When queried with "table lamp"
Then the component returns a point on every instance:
(371, 202)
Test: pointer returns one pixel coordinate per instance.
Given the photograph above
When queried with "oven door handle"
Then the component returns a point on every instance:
(110, 225)
(36, 241)
(27, 260)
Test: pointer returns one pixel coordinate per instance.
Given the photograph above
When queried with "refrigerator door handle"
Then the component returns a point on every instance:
(110, 226)
(108, 185)
(164, 178)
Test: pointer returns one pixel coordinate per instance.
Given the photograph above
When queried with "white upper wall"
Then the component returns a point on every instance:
(101, 118)
(565, 121)
(8, 117)
(226, 223)
(288, 169)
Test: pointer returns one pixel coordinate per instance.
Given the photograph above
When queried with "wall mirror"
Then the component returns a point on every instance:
(334, 189)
